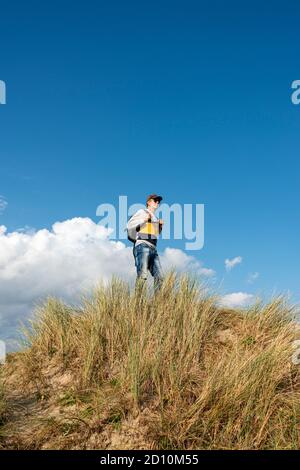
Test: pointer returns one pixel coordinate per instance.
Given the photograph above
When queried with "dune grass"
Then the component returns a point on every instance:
(200, 376)
(3, 406)
(2, 400)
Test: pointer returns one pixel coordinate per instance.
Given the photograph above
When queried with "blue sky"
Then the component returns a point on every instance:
(191, 100)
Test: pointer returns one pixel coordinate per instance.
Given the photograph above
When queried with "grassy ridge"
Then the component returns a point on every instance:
(195, 375)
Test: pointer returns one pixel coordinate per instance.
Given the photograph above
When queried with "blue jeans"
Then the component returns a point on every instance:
(147, 258)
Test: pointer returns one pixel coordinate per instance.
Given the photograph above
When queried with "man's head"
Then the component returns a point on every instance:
(153, 201)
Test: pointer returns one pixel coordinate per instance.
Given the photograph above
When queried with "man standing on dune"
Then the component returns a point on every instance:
(143, 230)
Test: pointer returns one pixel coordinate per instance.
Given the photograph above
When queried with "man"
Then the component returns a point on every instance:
(147, 228)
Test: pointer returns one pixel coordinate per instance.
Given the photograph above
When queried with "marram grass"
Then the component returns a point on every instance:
(199, 376)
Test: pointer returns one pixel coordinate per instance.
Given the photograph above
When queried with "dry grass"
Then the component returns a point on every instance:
(171, 372)
(3, 405)
(2, 399)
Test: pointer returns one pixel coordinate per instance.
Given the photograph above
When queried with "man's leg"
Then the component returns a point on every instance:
(141, 255)
(156, 270)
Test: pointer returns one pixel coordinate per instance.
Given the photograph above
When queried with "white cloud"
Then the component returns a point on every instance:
(179, 260)
(230, 263)
(252, 277)
(3, 204)
(236, 299)
(65, 261)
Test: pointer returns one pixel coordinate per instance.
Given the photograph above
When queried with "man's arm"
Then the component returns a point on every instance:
(137, 220)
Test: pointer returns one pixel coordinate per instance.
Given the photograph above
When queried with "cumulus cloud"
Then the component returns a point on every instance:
(66, 261)
(178, 259)
(230, 263)
(3, 204)
(237, 299)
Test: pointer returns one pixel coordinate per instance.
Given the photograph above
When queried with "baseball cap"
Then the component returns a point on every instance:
(155, 197)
